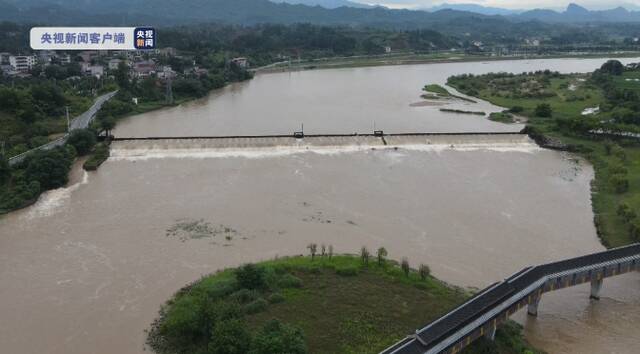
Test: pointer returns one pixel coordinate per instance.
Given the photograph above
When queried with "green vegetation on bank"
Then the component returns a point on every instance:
(459, 111)
(98, 156)
(596, 115)
(22, 183)
(324, 303)
(437, 90)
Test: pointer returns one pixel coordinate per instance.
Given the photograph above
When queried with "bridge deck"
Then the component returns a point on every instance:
(430, 338)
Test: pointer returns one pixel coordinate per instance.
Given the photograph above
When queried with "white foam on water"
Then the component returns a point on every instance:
(280, 151)
(51, 202)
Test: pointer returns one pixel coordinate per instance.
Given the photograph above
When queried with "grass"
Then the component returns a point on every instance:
(502, 117)
(437, 89)
(343, 306)
(565, 103)
(612, 229)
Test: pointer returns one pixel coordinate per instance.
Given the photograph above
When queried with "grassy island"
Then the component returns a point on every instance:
(596, 115)
(315, 304)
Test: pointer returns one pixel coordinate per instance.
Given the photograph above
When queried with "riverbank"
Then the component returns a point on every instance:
(412, 59)
(552, 102)
(321, 298)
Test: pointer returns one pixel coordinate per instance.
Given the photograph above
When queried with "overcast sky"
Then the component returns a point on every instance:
(510, 4)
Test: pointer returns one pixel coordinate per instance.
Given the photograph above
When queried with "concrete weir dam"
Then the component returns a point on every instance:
(212, 146)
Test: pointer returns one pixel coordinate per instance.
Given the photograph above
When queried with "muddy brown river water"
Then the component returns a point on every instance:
(86, 268)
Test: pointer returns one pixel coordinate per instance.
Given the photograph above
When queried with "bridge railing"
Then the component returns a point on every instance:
(482, 314)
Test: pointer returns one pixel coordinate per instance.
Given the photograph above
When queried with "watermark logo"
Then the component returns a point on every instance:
(145, 38)
(92, 38)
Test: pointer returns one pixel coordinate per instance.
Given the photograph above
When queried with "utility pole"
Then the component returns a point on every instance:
(68, 121)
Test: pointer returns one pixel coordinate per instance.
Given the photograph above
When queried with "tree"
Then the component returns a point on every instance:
(323, 250)
(230, 337)
(543, 110)
(382, 254)
(330, 251)
(313, 248)
(612, 67)
(251, 276)
(424, 271)
(5, 170)
(405, 266)
(49, 168)
(364, 254)
(83, 140)
(107, 124)
(277, 337)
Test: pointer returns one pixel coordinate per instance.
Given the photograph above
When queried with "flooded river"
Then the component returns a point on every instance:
(86, 268)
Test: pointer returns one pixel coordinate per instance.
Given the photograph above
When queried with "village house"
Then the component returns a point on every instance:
(144, 68)
(22, 63)
(168, 51)
(241, 62)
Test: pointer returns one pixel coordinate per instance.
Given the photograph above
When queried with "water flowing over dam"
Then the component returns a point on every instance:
(256, 146)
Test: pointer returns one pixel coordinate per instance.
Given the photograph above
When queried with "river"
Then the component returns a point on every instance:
(86, 268)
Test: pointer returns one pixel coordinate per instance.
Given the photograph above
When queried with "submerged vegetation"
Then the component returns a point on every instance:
(459, 111)
(596, 115)
(311, 305)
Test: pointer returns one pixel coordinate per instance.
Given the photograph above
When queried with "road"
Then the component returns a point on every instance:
(80, 122)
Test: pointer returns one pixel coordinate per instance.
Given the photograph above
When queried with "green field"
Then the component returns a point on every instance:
(341, 305)
(570, 96)
(566, 103)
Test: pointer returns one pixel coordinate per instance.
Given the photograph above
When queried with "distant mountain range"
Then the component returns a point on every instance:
(328, 4)
(460, 18)
(576, 13)
(479, 9)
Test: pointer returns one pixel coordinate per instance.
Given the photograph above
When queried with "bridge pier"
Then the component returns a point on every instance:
(532, 309)
(596, 286)
(491, 334)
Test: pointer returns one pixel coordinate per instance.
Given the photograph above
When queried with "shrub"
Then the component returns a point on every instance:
(250, 276)
(244, 296)
(100, 154)
(230, 337)
(405, 266)
(185, 323)
(256, 306)
(382, 254)
(626, 212)
(619, 183)
(289, 281)
(364, 255)
(543, 110)
(276, 298)
(313, 248)
(276, 338)
(5, 170)
(82, 140)
(424, 271)
(516, 109)
(348, 271)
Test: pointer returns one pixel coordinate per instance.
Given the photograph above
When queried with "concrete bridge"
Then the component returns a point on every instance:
(482, 314)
